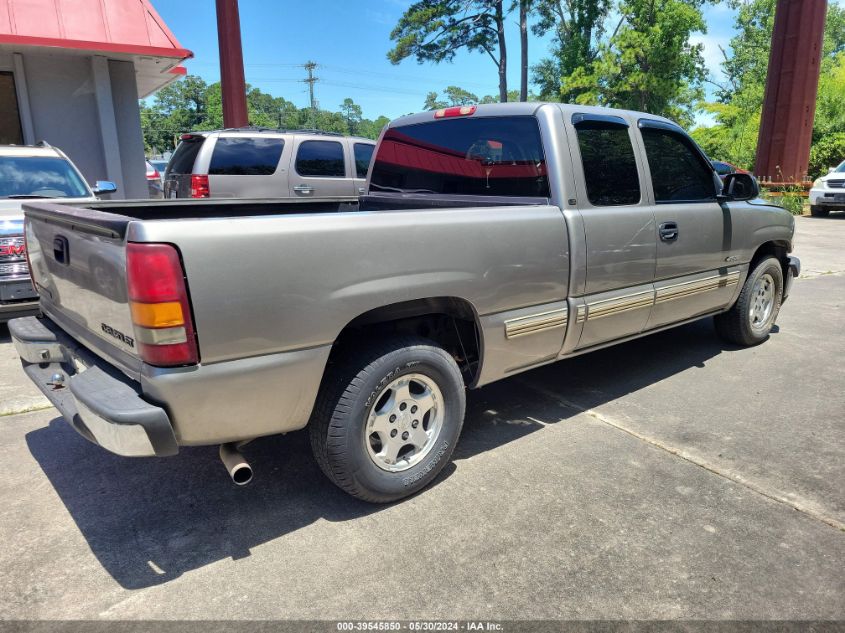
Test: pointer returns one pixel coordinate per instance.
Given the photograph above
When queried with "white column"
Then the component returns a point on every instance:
(108, 124)
(23, 100)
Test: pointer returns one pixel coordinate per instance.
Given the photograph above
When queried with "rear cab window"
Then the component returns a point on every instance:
(245, 156)
(320, 158)
(484, 156)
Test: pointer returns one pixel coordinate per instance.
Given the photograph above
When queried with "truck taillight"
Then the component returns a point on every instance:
(199, 186)
(158, 300)
(446, 113)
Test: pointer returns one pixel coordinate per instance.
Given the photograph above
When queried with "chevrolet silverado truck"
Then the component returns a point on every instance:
(27, 173)
(490, 240)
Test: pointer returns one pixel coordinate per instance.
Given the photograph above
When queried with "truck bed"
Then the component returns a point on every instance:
(273, 283)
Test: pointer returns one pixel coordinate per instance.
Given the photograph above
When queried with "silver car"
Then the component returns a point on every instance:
(259, 163)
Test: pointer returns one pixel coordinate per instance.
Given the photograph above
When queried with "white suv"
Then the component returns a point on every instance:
(28, 173)
(828, 192)
(263, 163)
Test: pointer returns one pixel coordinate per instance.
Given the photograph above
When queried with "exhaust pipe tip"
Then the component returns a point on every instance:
(235, 463)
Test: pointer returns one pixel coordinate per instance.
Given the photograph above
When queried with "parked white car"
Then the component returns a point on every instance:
(27, 173)
(828, 192)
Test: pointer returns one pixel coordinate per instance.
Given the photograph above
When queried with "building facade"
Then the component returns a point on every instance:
(71, 74)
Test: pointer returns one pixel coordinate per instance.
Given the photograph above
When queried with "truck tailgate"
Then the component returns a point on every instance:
(78, 259)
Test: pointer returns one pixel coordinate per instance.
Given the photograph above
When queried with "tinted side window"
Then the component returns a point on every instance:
(182, 161)
(320, 158)
(363, 154)
(678, 171)
(245, 156)
(610, 169)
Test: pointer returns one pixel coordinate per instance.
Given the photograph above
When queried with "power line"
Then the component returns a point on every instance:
(397, 76)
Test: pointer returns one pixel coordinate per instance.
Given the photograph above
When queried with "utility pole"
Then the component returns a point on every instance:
(310, 66)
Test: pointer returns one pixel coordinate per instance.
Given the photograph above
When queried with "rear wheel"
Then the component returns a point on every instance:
(818, 211)
(751, 318)
(388, 417)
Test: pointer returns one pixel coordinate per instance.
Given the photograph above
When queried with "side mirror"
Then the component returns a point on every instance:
(830, 170)
(740, 187)
(102, 187)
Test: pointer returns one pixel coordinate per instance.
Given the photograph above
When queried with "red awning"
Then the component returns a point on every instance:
(129, 27)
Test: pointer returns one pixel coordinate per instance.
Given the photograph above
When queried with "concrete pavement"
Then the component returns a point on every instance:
(670, 477)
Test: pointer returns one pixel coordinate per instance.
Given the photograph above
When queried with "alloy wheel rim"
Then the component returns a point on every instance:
(404, 422)
(762, 302)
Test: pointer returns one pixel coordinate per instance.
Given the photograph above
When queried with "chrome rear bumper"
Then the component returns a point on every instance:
(98, 401)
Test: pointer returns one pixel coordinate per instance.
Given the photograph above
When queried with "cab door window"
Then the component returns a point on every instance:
(679, 172)
(610, 168)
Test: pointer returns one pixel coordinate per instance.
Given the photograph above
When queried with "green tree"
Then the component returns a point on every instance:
(371, 129)
(577, 27)
(191, 105)
(435, 30)
(525, 9)
(351, 112)
(828, 148)
(649, 64)
(733, 137)
(433, 102)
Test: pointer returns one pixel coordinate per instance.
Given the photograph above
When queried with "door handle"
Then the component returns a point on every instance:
(669, 231)
(303, 189)
(361, 190)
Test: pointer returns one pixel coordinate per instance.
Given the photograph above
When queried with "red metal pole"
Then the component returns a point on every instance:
(232, 83)
(792, 82)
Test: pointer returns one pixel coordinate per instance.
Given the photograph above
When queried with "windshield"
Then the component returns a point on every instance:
(841, 168)
(39, 176)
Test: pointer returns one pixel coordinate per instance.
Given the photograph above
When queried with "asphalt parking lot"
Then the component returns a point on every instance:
(671, 477)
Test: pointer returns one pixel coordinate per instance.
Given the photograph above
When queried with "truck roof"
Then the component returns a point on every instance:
(527, 108)
(253, 131)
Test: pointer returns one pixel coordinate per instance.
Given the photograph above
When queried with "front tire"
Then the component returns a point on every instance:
(751, 318)
(818, 211)
(387, 418)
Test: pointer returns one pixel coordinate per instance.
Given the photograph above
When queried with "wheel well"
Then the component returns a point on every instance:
(775, 248)
(448, 321)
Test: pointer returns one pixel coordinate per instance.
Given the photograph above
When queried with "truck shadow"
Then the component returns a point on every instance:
(150, 520)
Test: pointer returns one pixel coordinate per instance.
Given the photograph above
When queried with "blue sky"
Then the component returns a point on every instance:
(349, 40)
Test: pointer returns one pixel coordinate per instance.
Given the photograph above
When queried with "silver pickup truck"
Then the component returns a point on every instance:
(491, 240)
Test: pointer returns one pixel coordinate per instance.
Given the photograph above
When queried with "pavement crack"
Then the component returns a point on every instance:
(692, 459)
(32, 409)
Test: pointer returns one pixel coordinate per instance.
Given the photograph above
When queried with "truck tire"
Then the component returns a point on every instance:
(751, 318)
(818, 211)
(387, 418)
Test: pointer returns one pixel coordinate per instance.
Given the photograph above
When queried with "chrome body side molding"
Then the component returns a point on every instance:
(611, 307)
(689, 288)
(534, 323)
